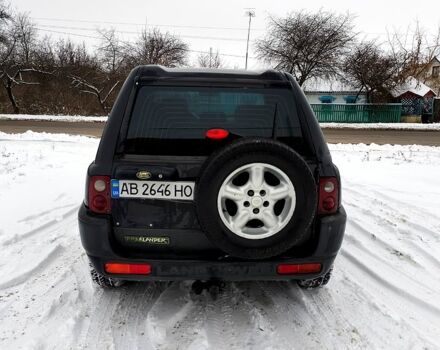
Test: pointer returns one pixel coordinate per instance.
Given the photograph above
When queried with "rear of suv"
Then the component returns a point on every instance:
(211, 175)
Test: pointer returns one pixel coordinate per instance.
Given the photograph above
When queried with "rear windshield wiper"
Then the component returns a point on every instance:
(274, 122)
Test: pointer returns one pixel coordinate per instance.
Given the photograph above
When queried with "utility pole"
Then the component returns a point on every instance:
(251, 13)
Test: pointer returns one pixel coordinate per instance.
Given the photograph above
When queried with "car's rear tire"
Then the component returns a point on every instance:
(256, 198)
(103, 281)
(316, 282)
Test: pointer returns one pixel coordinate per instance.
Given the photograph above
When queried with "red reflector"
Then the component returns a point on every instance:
(99, 203)
(328, 195)
(328, 203)
(128, 269)
(292, 269)
(217, 134)
(98, 194)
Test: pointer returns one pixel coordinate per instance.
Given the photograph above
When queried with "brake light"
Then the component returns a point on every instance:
(99, 194)
(217, 134)
(328, 195)
(294, 269)
(128, 269)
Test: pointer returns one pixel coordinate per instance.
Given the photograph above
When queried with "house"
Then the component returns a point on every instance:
(430, 75)
(334, 101)
(416, 97)
(319, 90)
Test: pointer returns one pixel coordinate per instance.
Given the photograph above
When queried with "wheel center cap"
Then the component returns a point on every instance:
(256, 201)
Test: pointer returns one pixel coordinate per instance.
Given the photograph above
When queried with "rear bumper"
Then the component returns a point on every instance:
(96, 238)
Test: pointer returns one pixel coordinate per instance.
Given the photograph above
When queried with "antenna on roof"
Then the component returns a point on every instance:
(250, 11)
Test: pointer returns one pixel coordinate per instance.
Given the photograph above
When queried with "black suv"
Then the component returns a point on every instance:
(211, 175)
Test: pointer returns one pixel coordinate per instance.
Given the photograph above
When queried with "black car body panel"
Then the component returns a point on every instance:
(98, 240)
(166, 233)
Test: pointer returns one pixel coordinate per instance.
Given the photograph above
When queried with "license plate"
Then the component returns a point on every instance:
(182, 190)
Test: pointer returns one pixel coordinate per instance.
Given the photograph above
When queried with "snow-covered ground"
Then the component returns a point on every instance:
(382, 126)
(384, 293)
(94, 119)
(55, 118)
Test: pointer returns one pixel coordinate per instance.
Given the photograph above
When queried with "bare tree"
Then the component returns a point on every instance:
(110, 51)
(89, 73)
(16, 66)
(414, 51)
(210, 59)
(100, 92)
(26, 38)
(307, 44)
(154, 47)
(4, 16)
(370, 69)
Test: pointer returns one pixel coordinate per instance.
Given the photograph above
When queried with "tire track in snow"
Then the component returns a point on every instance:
(402, 241)
(175, 321)
(374, 317)
(219, 323)
(410, 244)
(128, 322)
(289, 313)
(47, 225)
(399, 211)
(407, 228)
(318, 319)
(251, 325)
(48, 301)
(23, 275)
(237, 320)
(98, 335)
(44, 212)
(334, 326)
(397, 291)
(375, 258)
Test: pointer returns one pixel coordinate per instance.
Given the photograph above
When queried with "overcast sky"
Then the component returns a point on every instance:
(193, 19)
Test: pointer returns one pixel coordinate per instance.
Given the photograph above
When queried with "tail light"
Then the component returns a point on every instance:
(98, 198)
(328, 201)
(295, 269)
(128, 269)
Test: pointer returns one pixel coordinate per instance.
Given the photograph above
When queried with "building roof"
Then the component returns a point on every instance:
(435, 58)
(330, 85)
(413, 86)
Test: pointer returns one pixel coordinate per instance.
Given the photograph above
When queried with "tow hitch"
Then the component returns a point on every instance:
(213, 287)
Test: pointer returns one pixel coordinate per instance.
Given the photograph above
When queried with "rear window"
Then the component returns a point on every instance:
(174, 120)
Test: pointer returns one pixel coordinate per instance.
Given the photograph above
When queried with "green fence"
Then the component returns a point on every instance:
(358, 113)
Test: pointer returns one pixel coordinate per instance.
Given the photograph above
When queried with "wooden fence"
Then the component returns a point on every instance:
(358, 113)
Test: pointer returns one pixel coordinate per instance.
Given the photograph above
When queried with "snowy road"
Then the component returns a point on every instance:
(384, 293)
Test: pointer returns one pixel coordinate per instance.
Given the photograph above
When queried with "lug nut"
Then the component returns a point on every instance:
(250, 193)
(256, 211)
(246, 204)
(266, 204)
(262, 192)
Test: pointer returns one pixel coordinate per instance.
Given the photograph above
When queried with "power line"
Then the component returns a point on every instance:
(96, 37)
(142, 24)
(66, 33)
(137, 33)
(157, 25)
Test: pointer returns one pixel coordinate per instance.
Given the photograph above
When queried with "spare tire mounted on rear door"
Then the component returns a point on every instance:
(255, 198)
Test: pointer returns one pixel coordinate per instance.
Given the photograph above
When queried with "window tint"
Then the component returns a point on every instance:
(184, 114)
